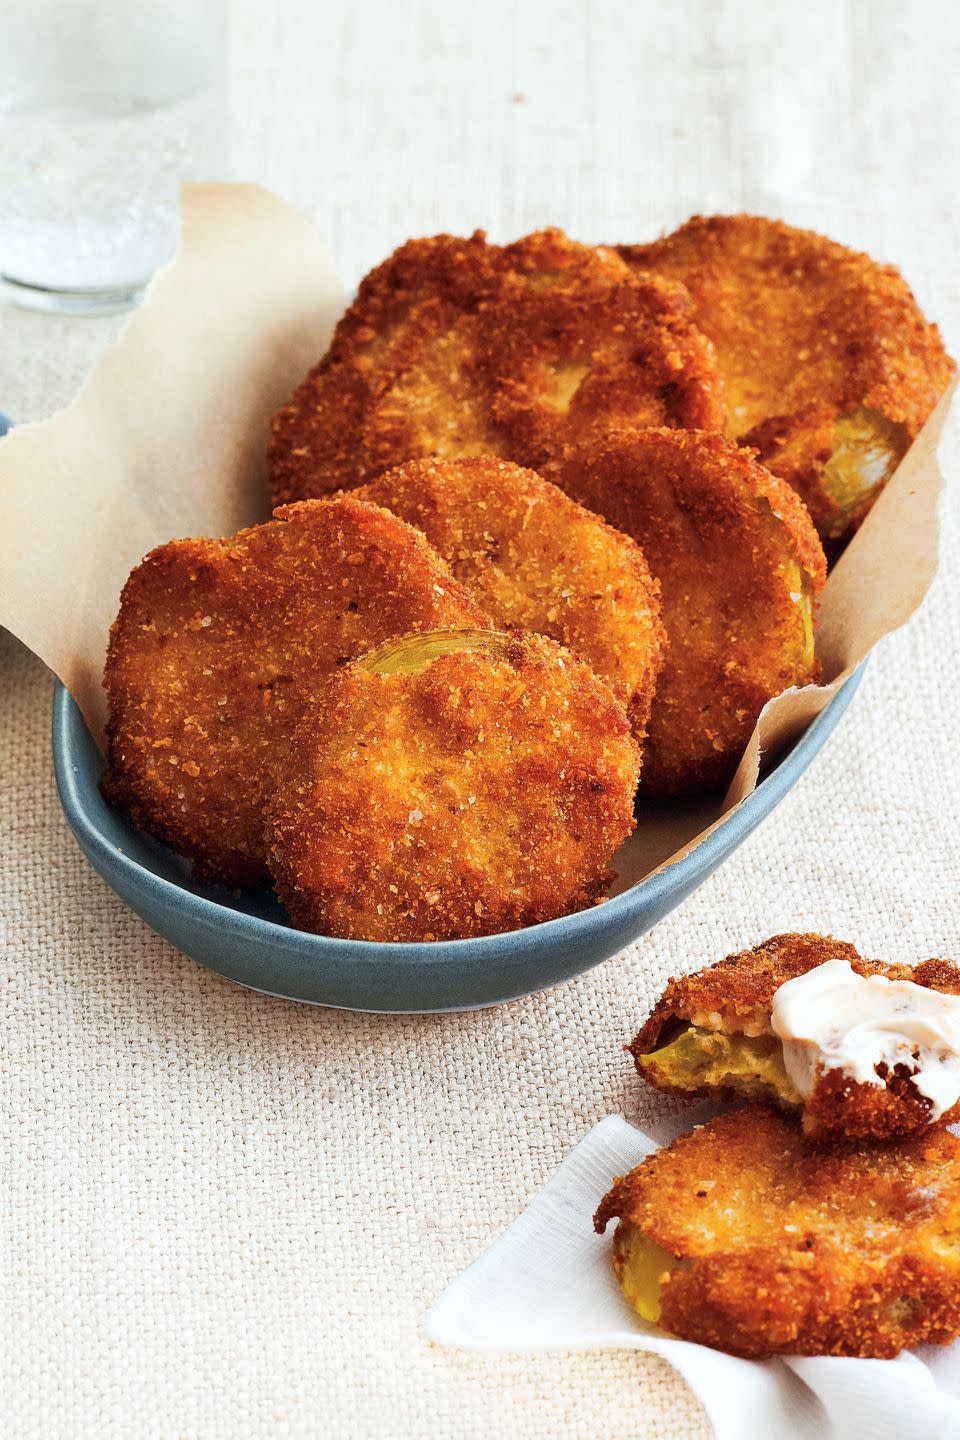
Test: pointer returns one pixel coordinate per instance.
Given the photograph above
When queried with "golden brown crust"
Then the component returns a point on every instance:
(733, 549)
(805, 331)
(839, 1107)
(578, 361)
(456, 347)
(479, 794)
(549, 259)
(538, 561)
(220, 645)
(334, 431)
(735, 996)
(737, 992)
(790, 1248)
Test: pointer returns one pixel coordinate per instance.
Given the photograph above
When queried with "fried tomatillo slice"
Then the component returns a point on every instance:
(716, 1032)
(401, 377)
(774, 1245)
(538, 561)
(829, 366)
(443, 793)
(546, 365)
(335, 430)
(221, 645)
(580, 361)
(457, 348)
(739, 565)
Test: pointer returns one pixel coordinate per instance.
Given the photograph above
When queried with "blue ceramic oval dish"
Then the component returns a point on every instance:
(248, 939)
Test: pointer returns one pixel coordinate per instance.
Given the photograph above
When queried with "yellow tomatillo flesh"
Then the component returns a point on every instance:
(709, 1059)
(867, 449)
(640, 1264)
(412, 653)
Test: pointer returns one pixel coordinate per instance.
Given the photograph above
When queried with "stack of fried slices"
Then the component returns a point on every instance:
(625, 464)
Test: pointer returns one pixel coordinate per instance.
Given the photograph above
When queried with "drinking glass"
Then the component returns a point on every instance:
(105, 106)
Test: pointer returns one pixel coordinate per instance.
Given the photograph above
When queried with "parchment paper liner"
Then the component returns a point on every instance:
(167, 438)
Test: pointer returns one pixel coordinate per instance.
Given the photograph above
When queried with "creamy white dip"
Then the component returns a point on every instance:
(835, 1019)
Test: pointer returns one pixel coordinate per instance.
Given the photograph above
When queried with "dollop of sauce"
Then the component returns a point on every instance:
(831, 1018)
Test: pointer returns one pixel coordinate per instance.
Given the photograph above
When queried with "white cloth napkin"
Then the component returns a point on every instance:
(547, 1284)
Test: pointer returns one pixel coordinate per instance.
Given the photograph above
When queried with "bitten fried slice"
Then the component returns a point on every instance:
(829, 366)
(453, 786)
(456, 347)
(746, 1237)
(538, 561)
(717, 1032)
(220, 645)
(739, 565)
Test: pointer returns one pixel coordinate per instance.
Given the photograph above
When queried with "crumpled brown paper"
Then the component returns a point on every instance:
(167, 438)
(168, 435)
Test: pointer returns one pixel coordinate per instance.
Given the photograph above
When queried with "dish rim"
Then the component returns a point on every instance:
(204, 911)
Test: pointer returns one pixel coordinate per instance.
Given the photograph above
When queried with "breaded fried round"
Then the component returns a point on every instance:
(456, 348)
(220, 646)
(713, 1032)
(337, 429)
(538, 561)
(578, 362)
(739, 565)
(829, 367)
(746, 1237)
(453, 786)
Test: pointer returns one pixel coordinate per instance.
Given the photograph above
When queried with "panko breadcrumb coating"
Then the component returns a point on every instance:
(711, 1033)
(829, 367)
(455, 347)
(576, 362)
(746, 1237)
(478, 791)
(538, 561)
(739, 565)
(220, 646)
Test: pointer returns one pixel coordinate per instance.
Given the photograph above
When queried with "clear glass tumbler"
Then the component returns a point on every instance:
(105, 106)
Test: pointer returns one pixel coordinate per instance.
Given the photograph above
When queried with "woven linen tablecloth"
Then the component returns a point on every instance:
(224, 1215)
